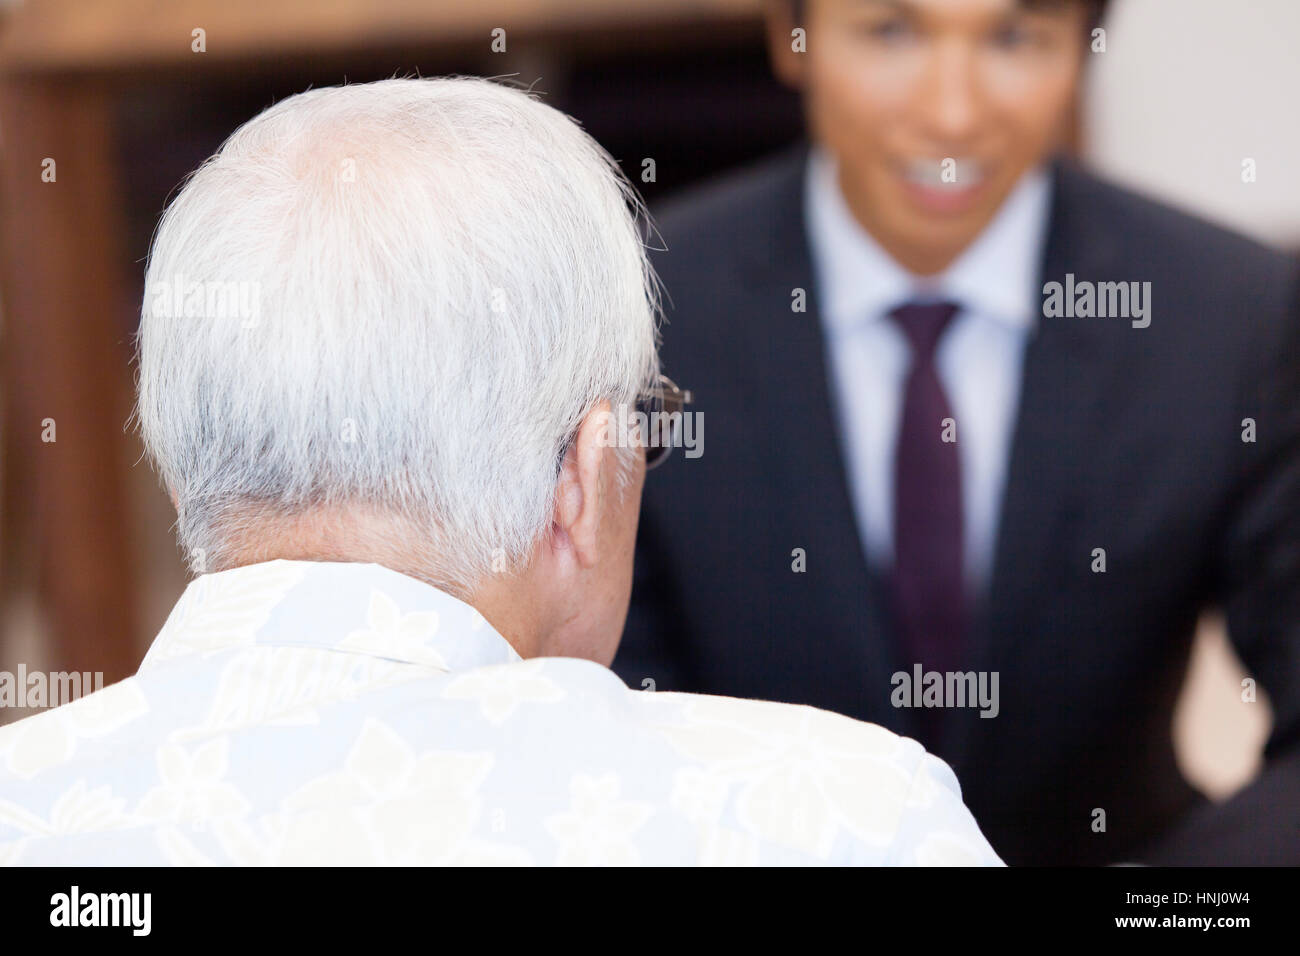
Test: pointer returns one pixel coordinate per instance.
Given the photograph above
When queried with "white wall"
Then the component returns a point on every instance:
(1189, 88)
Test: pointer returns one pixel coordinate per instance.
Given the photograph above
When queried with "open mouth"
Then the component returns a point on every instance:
(944, 185)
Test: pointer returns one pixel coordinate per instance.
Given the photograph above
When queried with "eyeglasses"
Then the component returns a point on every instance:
(663, 407)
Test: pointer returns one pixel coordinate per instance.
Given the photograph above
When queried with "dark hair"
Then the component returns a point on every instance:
(1097, 8)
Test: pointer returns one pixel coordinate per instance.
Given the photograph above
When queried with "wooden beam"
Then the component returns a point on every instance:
(123, 35)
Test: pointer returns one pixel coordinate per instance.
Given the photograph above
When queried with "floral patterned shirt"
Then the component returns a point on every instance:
(298, 712)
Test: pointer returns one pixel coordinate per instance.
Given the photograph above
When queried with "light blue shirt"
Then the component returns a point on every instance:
(979, 359)
(296, 713)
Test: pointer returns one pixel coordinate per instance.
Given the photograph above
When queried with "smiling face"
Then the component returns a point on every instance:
(933, 109)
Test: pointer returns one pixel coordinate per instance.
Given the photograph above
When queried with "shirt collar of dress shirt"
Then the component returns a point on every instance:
(348, 607)
(997, 275)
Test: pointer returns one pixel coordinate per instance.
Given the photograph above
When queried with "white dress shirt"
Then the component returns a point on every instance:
(298, 712)
(979, 358)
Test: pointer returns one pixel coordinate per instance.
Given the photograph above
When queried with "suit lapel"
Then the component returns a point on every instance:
(788, 352)
(1068, 382)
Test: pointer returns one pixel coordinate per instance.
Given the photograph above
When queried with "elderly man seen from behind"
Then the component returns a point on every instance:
(384, 330)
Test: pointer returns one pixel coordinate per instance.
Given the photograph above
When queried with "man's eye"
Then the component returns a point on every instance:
(889, 31)
(1013, 37)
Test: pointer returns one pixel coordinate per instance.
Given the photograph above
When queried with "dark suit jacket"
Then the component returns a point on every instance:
(1127, 439)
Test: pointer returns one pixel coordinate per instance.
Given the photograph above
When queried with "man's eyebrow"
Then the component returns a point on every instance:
(902, 6)
(1045, 7)
(1017, 7)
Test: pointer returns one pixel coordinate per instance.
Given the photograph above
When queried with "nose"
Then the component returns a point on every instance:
(948, 99)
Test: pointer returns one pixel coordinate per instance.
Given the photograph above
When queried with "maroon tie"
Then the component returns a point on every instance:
(927, 582)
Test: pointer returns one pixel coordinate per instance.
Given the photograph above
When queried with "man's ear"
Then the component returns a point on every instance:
(786, 63)
(580, 499)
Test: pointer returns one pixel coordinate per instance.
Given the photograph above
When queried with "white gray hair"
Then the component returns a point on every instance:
(400, 297)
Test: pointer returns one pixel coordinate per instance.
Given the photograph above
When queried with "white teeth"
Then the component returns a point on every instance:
(949, 173)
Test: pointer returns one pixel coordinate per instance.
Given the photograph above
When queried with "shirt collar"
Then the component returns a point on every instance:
(997, 275)
(352, 608)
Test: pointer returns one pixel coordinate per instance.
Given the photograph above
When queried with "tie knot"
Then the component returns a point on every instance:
(923, 323)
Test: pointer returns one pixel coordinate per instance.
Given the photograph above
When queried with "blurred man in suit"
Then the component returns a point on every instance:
(986, 435)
